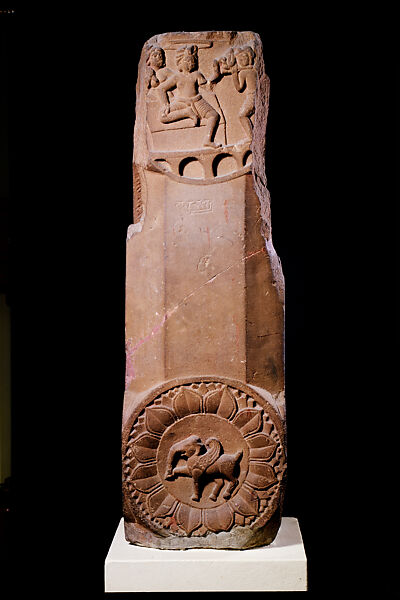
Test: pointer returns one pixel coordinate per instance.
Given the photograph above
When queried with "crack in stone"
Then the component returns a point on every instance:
(268, 334)
(130, 350)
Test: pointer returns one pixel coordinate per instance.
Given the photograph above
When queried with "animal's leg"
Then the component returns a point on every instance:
(196, 491)
(229, 488)
(216, 489)
(183, 470)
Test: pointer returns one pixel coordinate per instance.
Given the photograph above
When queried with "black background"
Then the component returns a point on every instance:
(71, 93)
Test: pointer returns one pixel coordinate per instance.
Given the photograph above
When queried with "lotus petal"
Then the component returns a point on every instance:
(260, 476)
(161, 503)
(158, 418)
(264, 494)
(188, 517)
(145, 477)
(145, 448)
(248, 420)
(212, 400)
(228, 406)
(221, 402)
(239, 519)
(261, 446)
(187, 402)
(219, 519)
(245, 502)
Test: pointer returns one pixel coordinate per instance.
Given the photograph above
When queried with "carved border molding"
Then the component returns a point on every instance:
(171, 163)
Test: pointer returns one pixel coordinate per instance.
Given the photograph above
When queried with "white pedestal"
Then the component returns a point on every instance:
(281, 566)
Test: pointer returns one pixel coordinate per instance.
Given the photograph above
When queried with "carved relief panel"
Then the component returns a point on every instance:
(203, 426)
(210, 98)
(204, 457)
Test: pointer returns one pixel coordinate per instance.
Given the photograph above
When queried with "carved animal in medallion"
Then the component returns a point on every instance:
(204, 459)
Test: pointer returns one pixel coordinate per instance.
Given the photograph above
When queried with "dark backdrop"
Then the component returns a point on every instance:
(71, 92)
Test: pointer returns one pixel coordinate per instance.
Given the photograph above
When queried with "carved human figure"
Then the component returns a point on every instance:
(223, 65)
(220, 466)
(188, 102)
(245, 80)
(156, 71)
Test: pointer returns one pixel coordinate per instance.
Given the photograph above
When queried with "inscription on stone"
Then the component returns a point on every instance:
(194, 207)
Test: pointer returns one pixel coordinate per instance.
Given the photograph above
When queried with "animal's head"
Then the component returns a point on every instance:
(190, 445)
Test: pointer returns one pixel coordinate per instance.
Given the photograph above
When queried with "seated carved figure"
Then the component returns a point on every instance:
(212, 463)
(188, 103)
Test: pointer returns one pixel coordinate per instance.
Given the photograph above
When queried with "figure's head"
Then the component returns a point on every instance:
(156, 57)
(245, 56)
(191, 445)
(187, 58)
(227, 60)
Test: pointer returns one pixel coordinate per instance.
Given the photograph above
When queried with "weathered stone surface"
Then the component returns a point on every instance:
(204, 423)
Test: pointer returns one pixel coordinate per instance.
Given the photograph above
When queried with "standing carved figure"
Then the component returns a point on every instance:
(245, 80)
(188, 103)
(156, 71)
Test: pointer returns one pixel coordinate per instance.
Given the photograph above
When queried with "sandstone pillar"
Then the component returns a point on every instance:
(203, 424)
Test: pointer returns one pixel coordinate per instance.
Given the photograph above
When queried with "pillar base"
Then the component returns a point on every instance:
(281, 566)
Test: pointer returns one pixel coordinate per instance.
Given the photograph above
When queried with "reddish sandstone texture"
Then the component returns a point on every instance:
(204, 422)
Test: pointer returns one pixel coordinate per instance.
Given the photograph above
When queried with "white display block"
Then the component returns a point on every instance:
(281, 566)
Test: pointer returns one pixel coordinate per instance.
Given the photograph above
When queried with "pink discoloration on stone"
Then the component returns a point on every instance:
(237, 335)
(131, 349)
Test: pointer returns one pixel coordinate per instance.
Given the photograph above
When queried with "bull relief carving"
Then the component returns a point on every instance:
(204, 413)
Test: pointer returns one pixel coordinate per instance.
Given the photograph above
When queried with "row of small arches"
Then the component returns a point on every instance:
(222, 164)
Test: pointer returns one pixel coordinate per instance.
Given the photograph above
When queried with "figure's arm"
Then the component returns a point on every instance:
(238, 81)
(216, 71)
(154, 81)
(201, 80)
(164, 87)
(223, 66)
(209, 85)
(151, 78)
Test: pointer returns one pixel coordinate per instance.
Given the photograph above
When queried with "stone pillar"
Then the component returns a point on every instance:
(203, 422)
